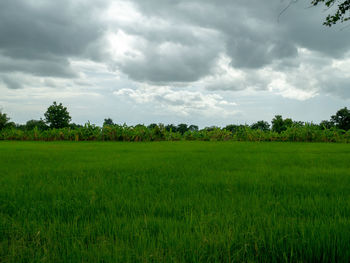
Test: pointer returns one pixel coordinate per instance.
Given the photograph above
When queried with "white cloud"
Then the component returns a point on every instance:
(180, 102)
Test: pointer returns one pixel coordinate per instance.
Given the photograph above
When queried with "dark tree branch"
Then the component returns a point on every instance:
(341, 14)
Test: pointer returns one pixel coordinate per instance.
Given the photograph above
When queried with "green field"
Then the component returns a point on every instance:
(174, 202)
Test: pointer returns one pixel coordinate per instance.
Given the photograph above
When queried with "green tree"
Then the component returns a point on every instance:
(211, 128)
(260, 125)
(289, 123)
(40, 124)
(342, 119)
(341, 13)
(193, 128)
(75, 126)
(171, 127)
(57, 116)
(182, 128)
(3, 120)
(298, 124)
(326, 125)
(108, 121)
(152, 126)
(279, 124)
(232, 128)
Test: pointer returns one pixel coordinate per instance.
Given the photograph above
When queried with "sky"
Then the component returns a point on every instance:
(200, 62)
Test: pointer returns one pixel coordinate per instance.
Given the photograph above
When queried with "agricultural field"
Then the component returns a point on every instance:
(184, 201)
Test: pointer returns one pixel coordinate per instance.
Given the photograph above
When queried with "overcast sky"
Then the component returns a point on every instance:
(201, 62)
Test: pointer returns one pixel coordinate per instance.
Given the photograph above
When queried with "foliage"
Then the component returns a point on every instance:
(57, 116)
(341, 14)
(40, 124)
(152, 126)
(75, 126)
(279, 124)
(3, 120)
(182, 128)
(307, 133)
(260, 125)
(10, 125)
(326, 124)
(335, 130)
(298, 123)
(108, 121)
(234, 128)
(342, 119)
(170, 127)
(193, 128)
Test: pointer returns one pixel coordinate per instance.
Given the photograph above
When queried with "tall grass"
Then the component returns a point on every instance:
(174, 202)
(90, 132)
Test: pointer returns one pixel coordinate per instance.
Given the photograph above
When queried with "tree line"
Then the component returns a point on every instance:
(57, 125)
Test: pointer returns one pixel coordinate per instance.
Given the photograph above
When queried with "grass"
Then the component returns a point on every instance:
(174, 202)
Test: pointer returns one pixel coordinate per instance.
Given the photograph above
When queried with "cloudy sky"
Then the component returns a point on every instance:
(201, 62)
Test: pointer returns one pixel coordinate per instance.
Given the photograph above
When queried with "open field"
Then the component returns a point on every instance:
(174, 202)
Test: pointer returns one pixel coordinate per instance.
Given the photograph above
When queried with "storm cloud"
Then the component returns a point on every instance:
(182, 41)
(189, 48)
(40, 37)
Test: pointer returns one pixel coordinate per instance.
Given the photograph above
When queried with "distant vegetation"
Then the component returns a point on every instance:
(57, 126)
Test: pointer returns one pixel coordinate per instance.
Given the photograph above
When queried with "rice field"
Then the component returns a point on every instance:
(185, 201)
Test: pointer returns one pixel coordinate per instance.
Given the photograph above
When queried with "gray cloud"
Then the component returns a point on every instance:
(177, 42)
(39, 37)
(51, 66)
(339, 87)
(165, 62)
(255, 52)
(252, 35)
(11, 83)
(257, 21)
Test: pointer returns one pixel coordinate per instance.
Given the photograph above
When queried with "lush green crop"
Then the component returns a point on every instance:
(174, 202)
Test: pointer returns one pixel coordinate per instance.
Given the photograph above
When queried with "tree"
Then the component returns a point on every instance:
(182, 128)
(171, 127)
(211, 128)
(260, 125)
(11, 125)
(152, 126)
(288, 123)
(326, 125)
(342, 119)
(341, 14)
(108, 121)
(57, 116)
(235, 128)
(279, 124)
(75, 126)
(298, 124)
(40, 124)
(193, 128)
(3, 120)
(232, 128)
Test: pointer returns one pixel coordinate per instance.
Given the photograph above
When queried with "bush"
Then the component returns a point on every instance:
(296, 133)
